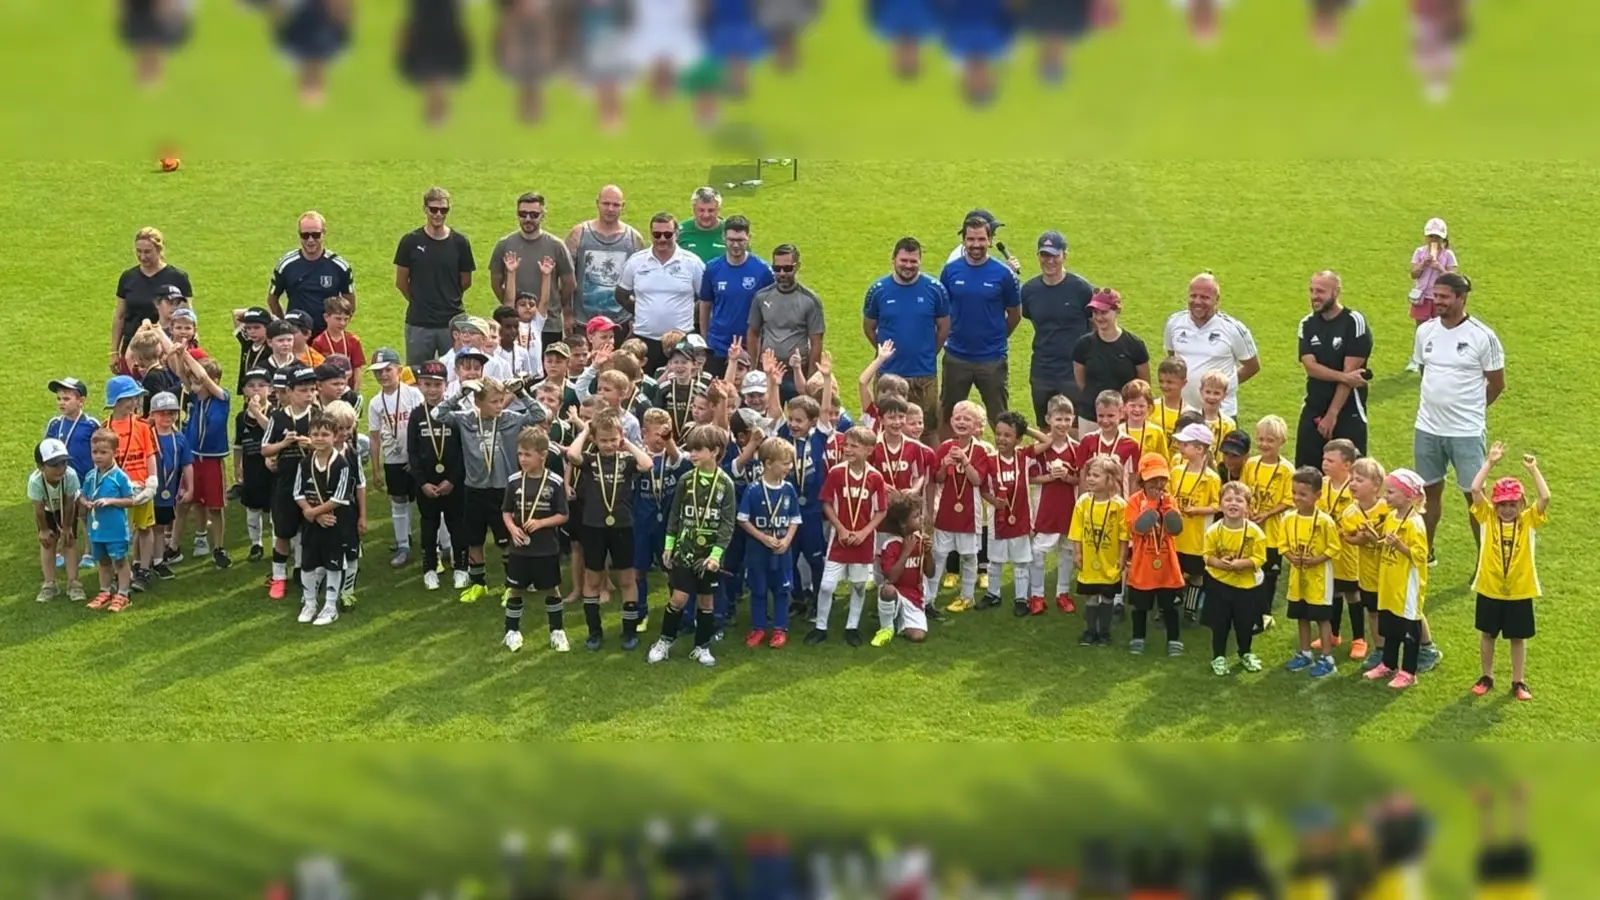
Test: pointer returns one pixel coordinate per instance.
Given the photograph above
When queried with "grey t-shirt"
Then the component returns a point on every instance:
(529, 278)
(786, 321)
(598, 262)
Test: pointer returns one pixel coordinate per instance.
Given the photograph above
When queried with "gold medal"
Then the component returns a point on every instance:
(701, 540)
(1094, 565)
(611, 520)
(1155, 563)
(1011, 520)
(439, 468)
(959, 507)
(166, 495)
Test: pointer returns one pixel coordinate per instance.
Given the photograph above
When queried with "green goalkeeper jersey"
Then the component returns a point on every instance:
(701, 524)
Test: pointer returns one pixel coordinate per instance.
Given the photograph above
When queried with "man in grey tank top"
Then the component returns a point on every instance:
(599, 247)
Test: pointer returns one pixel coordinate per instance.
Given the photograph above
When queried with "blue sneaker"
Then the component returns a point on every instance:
(1322, 668)
(1298, 663)
(87, 562)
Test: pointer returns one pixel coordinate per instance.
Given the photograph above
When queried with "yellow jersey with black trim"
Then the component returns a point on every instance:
(1368, 556)
(1191, 490)
(1334, 502)
(1271, 485)
(1246, 542)
(1506, 566)
(1150, 437)
(1310, 535)
(1403, 573)
(1099, 527)
(1221, 427)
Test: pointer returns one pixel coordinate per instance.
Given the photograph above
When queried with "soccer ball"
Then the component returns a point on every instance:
(170, 163)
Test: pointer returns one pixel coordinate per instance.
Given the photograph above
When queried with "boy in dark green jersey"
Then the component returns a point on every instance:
(698, 531)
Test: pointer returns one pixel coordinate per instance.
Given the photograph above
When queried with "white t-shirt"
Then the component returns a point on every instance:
(1454, 364)
(1219, 345)
(389, 414)
(519, 359)
(530, 337)
(663, 292)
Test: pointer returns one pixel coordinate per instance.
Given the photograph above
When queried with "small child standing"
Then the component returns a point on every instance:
(284, 444)
(1362, 527)
(434, 457)
(1338, 456)
(136, 457)
(810, 445)
(963, 462)
(854, 500)
(1214, 390)
(1235, 551)
(1099, 544)
(1195, 489)
(605, 479)
(352, 519)
(323, 484)
(206, 429)
(53, 488)
(74, 429)
(1428, 262)
(1153, 576)
(1137, 424)
(389, 426)
(1172, 376)
(1269, 479)
(174, 480)
(1402, 580)
(1507, 582)
(107, 496)
(337, 339)
(1310, 539)
(653, 493)
(907, 567)
(770, 515)
(250, 472)
(535, 508)
(1007, 490)
(698, 531)
(1057, 477)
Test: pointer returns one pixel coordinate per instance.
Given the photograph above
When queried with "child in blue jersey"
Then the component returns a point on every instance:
(770, 516)
(174, 479)
(106, 496)
(653, 493)
(744, 466)
(206, 429)
(809, 470)
(75, 429)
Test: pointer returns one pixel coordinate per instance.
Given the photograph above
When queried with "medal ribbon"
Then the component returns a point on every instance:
(525, 511)
(609, 502)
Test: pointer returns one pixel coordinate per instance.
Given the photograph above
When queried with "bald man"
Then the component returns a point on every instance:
(1335, 344)
(1208, 340)
(599, 247)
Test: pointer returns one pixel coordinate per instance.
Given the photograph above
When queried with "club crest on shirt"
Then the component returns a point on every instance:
(1213, 337)
(1338, 342)
(748, 282)
(1461, 347)
(327, 281)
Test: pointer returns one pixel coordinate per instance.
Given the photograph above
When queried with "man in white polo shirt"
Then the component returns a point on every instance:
(659, 286)
(1463, 372)
(1211, 341)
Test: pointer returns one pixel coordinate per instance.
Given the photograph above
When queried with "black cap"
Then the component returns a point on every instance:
(984, 214)
(433, 369)
(300, 319)
(1235, 442)
(255, 315)
(329, 372)
(169, 292)
(257, 375)
(280, 378)
(302, 375)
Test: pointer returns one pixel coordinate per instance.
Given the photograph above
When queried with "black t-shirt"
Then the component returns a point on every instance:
(1060, 316)
(280, 424)
(137, 291)
(1331, 342)
(606, 478)
(1108, 365)
(436, 266)
(308, 283)
(159, 380)
(526, 499)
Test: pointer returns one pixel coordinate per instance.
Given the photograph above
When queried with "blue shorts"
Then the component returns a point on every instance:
(1433, 455)
(109, 551)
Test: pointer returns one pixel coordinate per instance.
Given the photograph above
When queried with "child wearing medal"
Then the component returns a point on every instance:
(1007, 490)
(1195, 488)
(962, 463)
(53, 489)
(1137, 424)
(535, 507)
(1213, 391)
(1057, 477)
(1402, 580)
(1151, 522)
(1338, 455)
(250, 330)
(253, 481)
(136, 456)
(388, 424)
(106, 497)
(854, 500)
(1361, 526)
(605, 480)
(770, 515)
(810, 468)
(1099, 543)
(283, 444)
(174, 479)
(698, 530)
(336, 338)
(1172, 376)
(206, 428)
(72, 427)
(352, 518)
(906, 566)
(1235, 550)
(1269, 479)
(438, 470)
(1507, 581)
(1310, 538)
(323, 484)
(653, 493)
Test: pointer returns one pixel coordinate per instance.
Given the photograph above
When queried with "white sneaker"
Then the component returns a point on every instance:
(308, 611)
(430, 580)
(558, 641)
(461, 579)
(702, 655)
(329, 614)
(658, 651)
(513, 641)
(202, 545)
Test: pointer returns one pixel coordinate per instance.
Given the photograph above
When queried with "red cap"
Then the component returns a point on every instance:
(1106, 298)
(601, 323)
(1507, 490)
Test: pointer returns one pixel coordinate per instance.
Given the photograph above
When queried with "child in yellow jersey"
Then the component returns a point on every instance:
(1505, 865)
(1361, 527)
(1402, 580)
(1313, 873)
(1507, 580)
(1138, 425)
(1214, 390)
(1310, 539)
(1234, 551)
(1099, 541)
(1338, 456)
(1268, 477)
(1194, 487)
(1172, 376)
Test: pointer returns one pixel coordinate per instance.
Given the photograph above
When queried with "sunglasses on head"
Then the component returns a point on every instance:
(784, 270)
(439, 210)
(310, 235)
(661, 235)
(530, 214)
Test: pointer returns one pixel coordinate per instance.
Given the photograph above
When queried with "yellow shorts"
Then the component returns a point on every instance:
(143, 516)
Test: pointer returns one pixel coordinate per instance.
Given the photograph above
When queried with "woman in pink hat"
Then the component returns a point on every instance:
(1428, 262)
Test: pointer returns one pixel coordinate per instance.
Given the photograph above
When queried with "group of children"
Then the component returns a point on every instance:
(1155, 509)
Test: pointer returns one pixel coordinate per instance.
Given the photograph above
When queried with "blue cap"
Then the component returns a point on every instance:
(121, 388)
(1053, 243)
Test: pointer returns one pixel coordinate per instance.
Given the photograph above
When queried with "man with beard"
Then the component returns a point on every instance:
(1335, 345)
(786, 318)
(984, 309)
(912, 310)
(599, 247)
(531, 243)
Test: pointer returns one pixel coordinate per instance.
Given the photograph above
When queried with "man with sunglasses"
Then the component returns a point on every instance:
(530, 243)
(658, 288)
(786, 318)
(310, 274)
(433, 267)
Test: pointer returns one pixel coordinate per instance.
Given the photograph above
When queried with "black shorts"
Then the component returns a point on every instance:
(606, 547)
(287, 517)
(1301, 611)
(256, 493)
(481, 514)
(397, 482)
(323, 548)
(533, 573)
(1346, 588)
(1092, 589)
(1148, 600)
(165, 515)
(689, 579)
(1192, 566)
(1369, 601)
(52, 522)
(1510, 619)
(572, 529)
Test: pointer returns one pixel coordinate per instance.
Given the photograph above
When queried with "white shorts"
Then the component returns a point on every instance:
(946, 541)
(1017, 550)
(912, 616)
(1050, 543)
(837, 573)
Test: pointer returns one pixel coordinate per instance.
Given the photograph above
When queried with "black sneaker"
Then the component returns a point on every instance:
(256, 553)
(593, 642)
(817, 636)
(236, 494)
(1019, 608)
(220, 558)
(934, 613)
(852, 636)
(1087, 640)
(990, 601)
(630, 642)
(172, 556)
(140, 581)
(163, 571)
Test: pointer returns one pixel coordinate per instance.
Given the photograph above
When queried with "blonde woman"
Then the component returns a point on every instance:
(139, 287)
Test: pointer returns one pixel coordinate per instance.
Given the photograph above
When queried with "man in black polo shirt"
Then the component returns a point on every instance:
(1334, 347)
(310, 274)
(1056, 301)
(432, 268)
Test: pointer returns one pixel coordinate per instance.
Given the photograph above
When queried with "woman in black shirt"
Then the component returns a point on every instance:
(137, 289)
(1106, 358)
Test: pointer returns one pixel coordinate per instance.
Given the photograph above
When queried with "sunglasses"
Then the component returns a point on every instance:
(439, 210)
(310, 235)
(662, 235)
(784, 270)
(530, 214)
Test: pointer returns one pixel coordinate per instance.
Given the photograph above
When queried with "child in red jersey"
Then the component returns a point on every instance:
(906, 563)
(1109, 440)
(964, 462)
(1007, 490)
(904, 461)
(854, 500)
(1057, 477)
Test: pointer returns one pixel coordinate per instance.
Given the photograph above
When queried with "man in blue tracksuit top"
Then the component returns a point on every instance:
(653, 494)
(810, 471)
(730, 283)
(985, 307)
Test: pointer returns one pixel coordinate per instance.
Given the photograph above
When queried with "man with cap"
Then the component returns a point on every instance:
(388, 425)
(730, 285)
(994, 225)
(911, 310)
(1056, 301)
(658, 287)
(1208, 340)
(433, 268)
(529, 244)
(786, 317)
(53, 489)
(1335, 344)
(985, 304)
(310, 274)
(250, 330)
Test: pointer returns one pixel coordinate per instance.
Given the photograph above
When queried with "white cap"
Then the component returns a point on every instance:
(754, 383)
(1194, 433)
(1436, 228)
(50, 451)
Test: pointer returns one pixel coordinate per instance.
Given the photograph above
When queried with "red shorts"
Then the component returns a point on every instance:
(208, 486)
